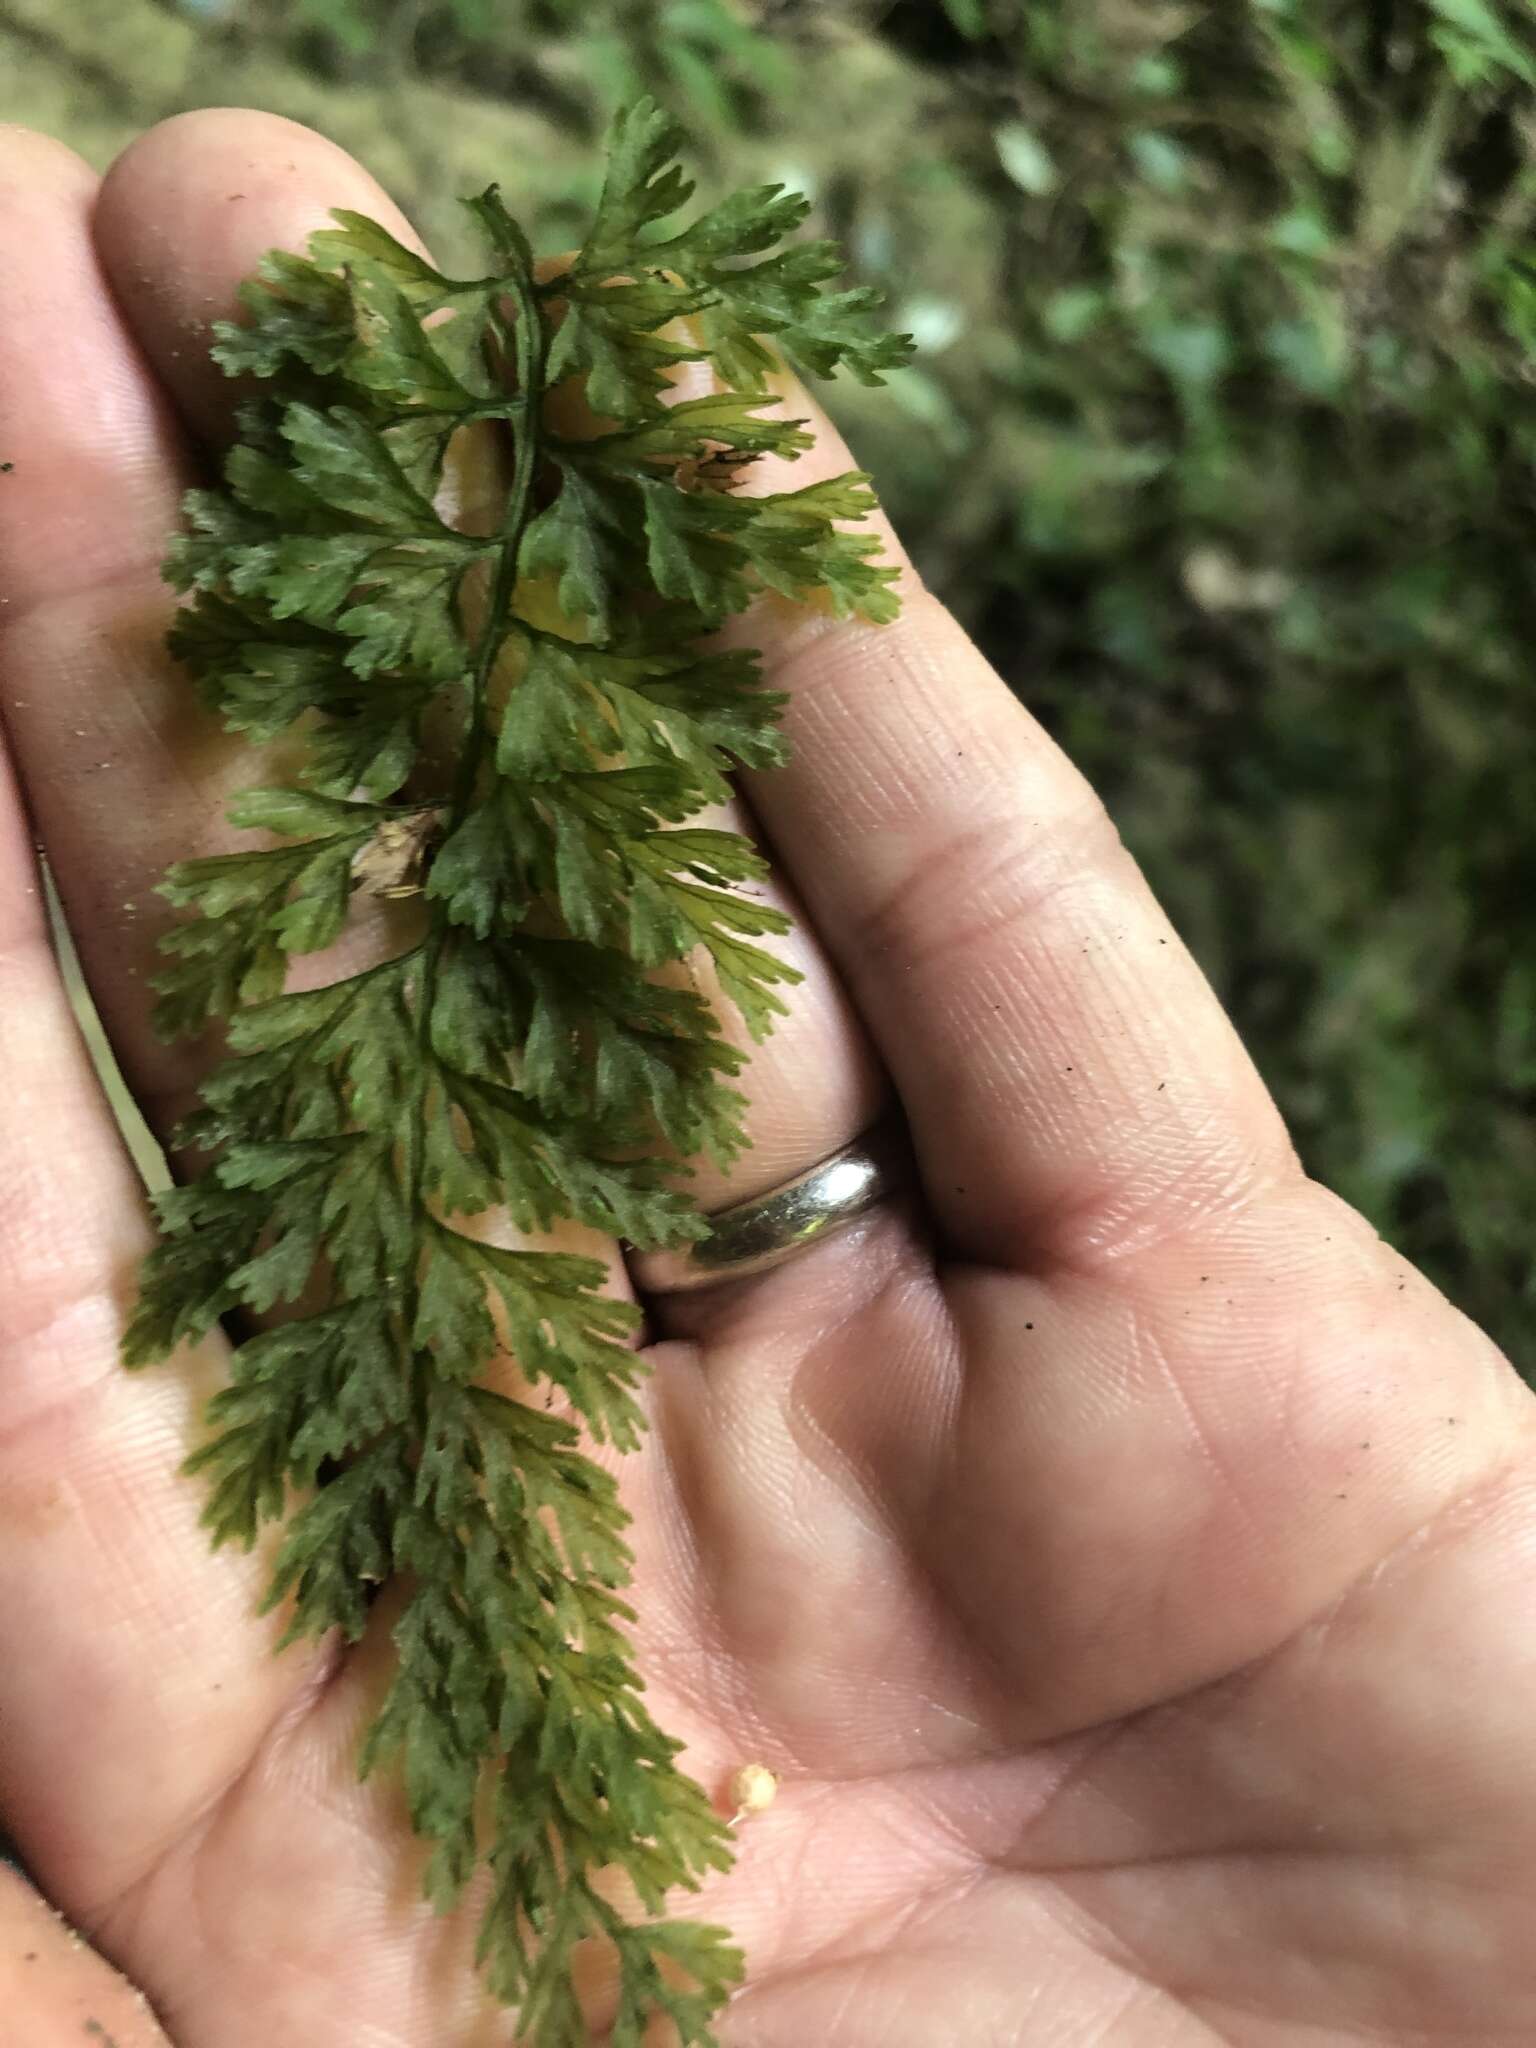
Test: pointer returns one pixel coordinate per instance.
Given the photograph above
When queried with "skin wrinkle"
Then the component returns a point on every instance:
(37, 1265)
(48, 1285)
(1230, 1698)
(1022, 2025)
(948, 1620)
(1089, 1750)
(1109, 1948)
(1119, 1216)
(1221, 1703)
(951, 1544)
(719, 1424)
(436, 1984)
(909, 1920)
(100, 594)
(898, 1283)
(983, 887)
(59, 1406)
(1202, 1192)
(1452, 1519)
(1146, 1346)
(1128, 1196)
(320, 1666)
(54, 578)
(961, 1592)
(1142, 1991)
(885, 1513)
(112, 412)
(910, 756)
(715, 1683)
(948, 1885)
(819, 1911)
(119, 1516)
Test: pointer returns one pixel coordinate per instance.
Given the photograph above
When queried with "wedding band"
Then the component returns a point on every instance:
(755, 1235)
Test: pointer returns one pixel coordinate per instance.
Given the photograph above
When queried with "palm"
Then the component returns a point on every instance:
(1126, 1593)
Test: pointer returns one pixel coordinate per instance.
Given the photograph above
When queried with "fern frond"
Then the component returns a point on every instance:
(520, 1053)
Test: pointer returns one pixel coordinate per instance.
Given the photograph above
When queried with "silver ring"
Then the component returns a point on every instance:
(763, 1232)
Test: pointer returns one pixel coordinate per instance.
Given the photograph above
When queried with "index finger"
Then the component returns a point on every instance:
(1074, 1088)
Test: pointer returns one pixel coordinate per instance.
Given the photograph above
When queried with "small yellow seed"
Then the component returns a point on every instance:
(753, 1790)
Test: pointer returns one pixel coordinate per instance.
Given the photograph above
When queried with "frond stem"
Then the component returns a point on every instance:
(531, 348)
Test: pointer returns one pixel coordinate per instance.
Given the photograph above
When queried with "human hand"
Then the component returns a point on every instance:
(1118, 1551)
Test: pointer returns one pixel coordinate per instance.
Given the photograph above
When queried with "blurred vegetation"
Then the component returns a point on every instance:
(1221, 438)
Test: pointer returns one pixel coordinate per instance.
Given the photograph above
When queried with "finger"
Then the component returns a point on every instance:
(133, 1682)
(94, 469)
(54, 1991)
(94, 477)
(124, 770)
(1073, 1086)
(105, 1578)
(184, 216)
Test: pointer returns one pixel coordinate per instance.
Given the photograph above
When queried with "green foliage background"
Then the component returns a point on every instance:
(1222, 437)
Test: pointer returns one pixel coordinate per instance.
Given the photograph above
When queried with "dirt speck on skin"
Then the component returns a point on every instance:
(98, 2032)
